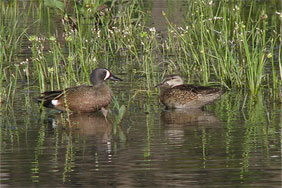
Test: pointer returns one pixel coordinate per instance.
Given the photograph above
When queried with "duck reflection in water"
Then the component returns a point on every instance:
(88, 124)
(179, 123)
(190, 117)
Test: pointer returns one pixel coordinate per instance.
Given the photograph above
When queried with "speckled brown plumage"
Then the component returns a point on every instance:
(175, 94)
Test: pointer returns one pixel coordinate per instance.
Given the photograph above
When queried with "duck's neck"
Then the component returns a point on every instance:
(99, 84)
(164, 89)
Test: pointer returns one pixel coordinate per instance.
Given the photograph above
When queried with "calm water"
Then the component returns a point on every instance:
(151, 147)
(234, 142)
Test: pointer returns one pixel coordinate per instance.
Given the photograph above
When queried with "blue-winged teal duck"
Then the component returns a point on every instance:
(176, 94)
(83, 98)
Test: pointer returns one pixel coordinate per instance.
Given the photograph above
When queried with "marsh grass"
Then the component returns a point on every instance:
(10, 35)
(280, 61)
(223, 42)
(228, 44)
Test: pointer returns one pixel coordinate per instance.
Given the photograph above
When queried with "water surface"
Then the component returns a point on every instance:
(151, 147)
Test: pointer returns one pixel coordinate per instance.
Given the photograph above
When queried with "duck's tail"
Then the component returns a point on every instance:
(47, 97)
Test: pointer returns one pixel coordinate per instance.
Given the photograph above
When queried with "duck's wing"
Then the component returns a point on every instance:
(47, 96)
(204, 90)
(50, 95)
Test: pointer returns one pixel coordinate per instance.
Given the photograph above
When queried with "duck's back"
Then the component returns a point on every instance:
(189, 96)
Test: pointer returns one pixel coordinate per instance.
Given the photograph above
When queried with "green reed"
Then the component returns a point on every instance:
(9, 34)
(280, 61)
(220, 40)
(12, 34)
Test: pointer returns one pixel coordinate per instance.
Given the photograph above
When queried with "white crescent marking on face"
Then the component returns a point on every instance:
(108, 75)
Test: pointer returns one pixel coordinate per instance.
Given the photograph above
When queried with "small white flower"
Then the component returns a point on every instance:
(180, 28)
(217, 18)
(110, 31)
(153, 29)
(24, 62)
(99, 33)
(279, 13)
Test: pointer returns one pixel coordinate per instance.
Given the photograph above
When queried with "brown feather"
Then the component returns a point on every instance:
(189, 96)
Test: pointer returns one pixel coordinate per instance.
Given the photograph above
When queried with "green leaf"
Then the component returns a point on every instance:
(121, 113)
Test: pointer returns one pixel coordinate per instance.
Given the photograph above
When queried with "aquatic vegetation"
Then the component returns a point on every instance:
(10, 35)
(218, 42)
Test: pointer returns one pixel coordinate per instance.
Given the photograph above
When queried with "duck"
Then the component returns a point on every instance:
(175, 94)
(82, 98)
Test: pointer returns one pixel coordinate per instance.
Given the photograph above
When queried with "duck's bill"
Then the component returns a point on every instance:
(115, 78)
(160, 85)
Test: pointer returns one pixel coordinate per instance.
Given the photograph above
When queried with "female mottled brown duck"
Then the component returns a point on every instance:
(83, 98)
(176, 94)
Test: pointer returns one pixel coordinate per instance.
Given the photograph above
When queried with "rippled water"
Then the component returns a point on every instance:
(232, 143)
(151, 147)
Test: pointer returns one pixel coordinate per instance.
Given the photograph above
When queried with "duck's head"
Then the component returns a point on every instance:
(100, 75)
(171, 81)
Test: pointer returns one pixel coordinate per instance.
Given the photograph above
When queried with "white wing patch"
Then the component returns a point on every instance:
(108, 75)
(55, 102)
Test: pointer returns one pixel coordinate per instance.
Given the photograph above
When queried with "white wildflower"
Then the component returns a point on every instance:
(217, 18)
(153, 29)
